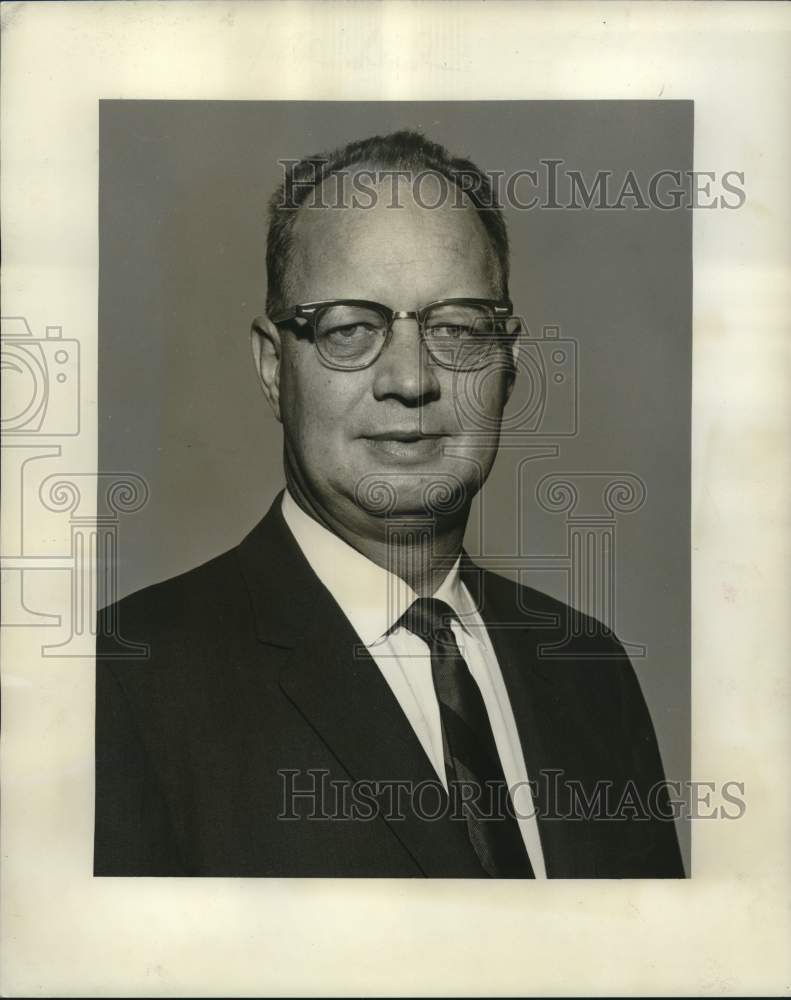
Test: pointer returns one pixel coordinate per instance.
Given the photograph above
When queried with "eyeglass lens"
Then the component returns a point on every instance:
(459, 336)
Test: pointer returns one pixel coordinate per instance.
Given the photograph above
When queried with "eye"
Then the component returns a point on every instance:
(351, 331)
(453, 331)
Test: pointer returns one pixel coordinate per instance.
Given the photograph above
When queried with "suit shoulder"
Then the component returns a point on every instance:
(575, 651)
(535, 609)
(197, 597)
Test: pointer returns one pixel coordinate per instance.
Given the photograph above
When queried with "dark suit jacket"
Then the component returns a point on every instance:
(254, 671)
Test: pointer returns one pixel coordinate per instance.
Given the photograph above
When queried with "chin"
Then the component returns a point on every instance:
(430, 493)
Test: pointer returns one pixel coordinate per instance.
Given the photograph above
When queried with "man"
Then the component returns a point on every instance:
(346, 692)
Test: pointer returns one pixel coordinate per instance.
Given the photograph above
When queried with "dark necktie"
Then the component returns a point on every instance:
(476, 784)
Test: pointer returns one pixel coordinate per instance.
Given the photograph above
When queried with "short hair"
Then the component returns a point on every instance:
(401, 150)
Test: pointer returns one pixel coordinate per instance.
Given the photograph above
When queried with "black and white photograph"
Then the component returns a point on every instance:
(395, 471)
(377, 679)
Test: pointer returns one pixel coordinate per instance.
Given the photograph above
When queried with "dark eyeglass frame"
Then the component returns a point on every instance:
(310, 311)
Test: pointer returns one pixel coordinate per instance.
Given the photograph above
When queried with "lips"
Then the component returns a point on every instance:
(405, 445)
(403, 435)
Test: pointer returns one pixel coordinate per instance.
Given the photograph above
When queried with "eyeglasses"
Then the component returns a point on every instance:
(350, 334)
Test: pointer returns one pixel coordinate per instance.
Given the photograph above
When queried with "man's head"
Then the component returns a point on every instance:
(410, 432)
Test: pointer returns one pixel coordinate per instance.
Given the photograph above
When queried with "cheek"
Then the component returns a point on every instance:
(479, 399)
(315, 404)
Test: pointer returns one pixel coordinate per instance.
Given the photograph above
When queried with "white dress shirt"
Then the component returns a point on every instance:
(373, 599)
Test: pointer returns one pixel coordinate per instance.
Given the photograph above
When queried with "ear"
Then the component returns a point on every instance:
(265, 341)
(514, 328)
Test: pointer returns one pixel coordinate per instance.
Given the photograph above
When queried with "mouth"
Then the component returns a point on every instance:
(403, 435)
(405, 445)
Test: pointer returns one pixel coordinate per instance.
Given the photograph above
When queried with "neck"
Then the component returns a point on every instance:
(419, 548)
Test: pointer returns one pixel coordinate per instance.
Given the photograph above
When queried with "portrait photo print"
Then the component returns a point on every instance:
(405, 391)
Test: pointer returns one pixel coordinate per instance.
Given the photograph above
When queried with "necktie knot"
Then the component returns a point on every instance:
(430, 619)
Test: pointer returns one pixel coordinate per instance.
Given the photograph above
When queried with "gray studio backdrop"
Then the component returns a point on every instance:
(183, 191)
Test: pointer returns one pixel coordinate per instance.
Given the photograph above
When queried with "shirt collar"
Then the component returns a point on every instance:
(372, 598)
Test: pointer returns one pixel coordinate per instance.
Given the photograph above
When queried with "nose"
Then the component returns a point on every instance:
(404, 371)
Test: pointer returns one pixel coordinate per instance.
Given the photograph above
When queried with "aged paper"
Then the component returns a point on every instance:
(724, 931)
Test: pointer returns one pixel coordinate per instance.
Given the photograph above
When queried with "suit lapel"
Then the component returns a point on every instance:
(338, 688)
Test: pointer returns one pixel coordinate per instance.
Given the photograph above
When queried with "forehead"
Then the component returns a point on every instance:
(402, 245)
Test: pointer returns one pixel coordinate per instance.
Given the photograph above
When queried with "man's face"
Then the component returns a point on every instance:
(377, 440)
